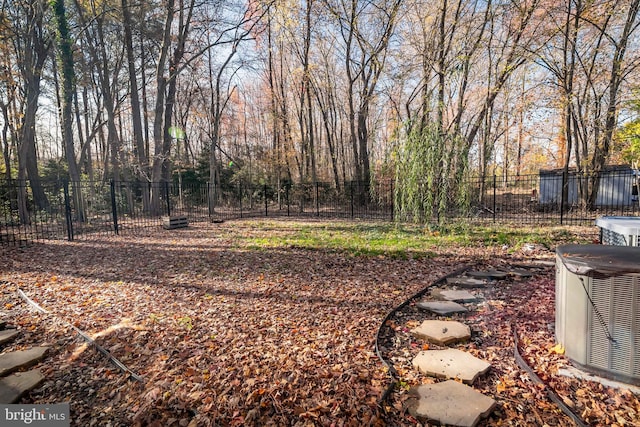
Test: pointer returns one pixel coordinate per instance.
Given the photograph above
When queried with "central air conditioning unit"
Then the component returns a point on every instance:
(619, 230)
(598, 309)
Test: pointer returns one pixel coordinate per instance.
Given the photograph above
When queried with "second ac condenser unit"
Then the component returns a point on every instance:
(598, 308)
(619, 230)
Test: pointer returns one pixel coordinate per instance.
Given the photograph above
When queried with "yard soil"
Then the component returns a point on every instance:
(224, 333)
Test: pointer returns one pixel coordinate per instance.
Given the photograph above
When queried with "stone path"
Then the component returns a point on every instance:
(442, 332)
(445, 308)
(454, 295)
(451, 363)
(7, 335)
(466, 282)
(451, 402)
(15, 382)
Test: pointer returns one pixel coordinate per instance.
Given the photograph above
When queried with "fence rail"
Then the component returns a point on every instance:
(31, 211)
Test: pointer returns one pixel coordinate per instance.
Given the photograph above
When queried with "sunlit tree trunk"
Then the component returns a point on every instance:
(31, 45)
(139, 149)
(159, 137)
(65, 54)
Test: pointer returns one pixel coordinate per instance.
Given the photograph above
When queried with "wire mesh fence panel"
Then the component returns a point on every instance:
(330, 201)
(31, 212)
(191, 201)
(223, 202)
(515, 199)
(90, 208)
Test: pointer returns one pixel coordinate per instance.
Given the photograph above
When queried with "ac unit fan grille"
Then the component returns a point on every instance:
(613, 238)
(599, 350)
(636, 327)
(617, 300)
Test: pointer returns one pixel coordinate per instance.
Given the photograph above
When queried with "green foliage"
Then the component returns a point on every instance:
(401, 241)
(629, 136)
(226, 171)
(202, 165)
(359, 240)
(426, 183)
(186, 322)
(54, 170)
(65, 43)
(189, 177)
(13, 170)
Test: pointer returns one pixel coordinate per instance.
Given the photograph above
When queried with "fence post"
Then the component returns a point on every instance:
(166, 195)
(564, 195)
(392, 200)
(114, 208)
(494, 197)
(437, 201)
(67, 211)
(266, 204)
(351, 186)
(287, 187)
(240, 193)
(317, 200)
(209, 200)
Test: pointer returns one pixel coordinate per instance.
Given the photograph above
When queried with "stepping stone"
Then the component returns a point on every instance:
(11, 362)
(521, 273)
(543, 263)
(445, 308)
(490, 274)
(451, 363)
(466, 282)
(449, 403)
(442, 332)
(13, 387)
(7, 335)
(454, 295)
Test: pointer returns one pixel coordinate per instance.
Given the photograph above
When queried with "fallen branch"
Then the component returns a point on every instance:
(85, 337)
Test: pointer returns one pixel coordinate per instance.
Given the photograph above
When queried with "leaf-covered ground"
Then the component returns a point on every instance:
(226, 330)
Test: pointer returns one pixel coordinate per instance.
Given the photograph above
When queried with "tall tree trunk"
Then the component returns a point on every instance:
(603, 144)
(363, 144)
(68, 86)
(166, 93)
(329, 129)
(32, 54)
(27, 158)
(307, 92)
(441, 68)
(570, 37)
(216, 108)
(273, 103)
(513, 60)
(357, 175)
(139, 149)
(159, 156)
(6, 150)
(106, 83)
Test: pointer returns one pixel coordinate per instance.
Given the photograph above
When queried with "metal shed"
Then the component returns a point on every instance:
(617, 188)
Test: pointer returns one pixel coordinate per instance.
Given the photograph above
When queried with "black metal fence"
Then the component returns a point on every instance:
(74, 210)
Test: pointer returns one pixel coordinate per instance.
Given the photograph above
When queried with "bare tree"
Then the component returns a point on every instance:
(588, 55)
(366, 29)
(26, 30)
